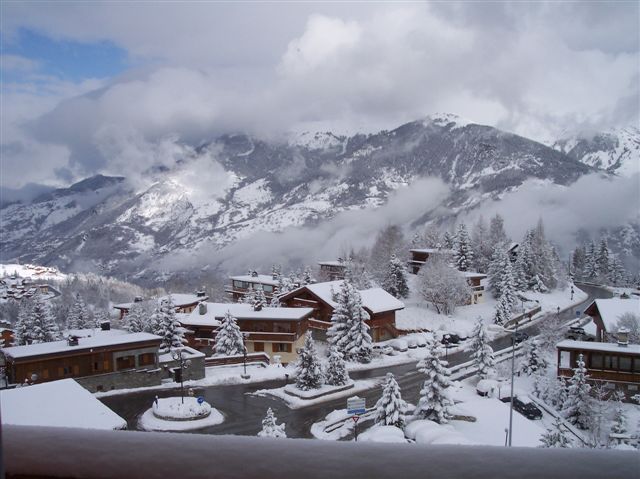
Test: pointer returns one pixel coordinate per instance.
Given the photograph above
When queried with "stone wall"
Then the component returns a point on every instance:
(122, 380)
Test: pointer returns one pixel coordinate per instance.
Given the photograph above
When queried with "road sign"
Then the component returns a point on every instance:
(200, 399)
(356, 405)
(355, 418)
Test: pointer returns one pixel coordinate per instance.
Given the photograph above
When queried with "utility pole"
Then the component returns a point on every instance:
(513, 373)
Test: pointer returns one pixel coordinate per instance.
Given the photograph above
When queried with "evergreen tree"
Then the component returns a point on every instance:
(462, 251)
(136, 319)
(482, 248)
(578, 261)
(395, 280)
(156, 321)
(497, 235)
(389, 241)
(448, 240)
(359, 345)
(270, 428)
(249, 297)
(308, 368)
(229, 340)
(434, 403)
(101, 316)
(482, 352)
(259, 300)
(555, 435)
(616, 273)
(591, 261)
(577, 404)
(307, 275)
(23, 328)
(502, 313)
(341, 317)
(78, 316)
(391, 408)
(336, 373)
(501, 280)
(534, 361)
(619, 425)
(171, 330)
(602, 258)
(44, 328)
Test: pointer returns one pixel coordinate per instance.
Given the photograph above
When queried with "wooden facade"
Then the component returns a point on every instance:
(181, 305)
(79, 361)
(241, 285)
(615, 366)
(420, 256)
(332, 270)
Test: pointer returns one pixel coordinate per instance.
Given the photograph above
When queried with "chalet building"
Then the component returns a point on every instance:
(332, 270)
(605, 314)
(184, 303)
(420, 256)
(380, 305)
(274, 331)
(241, 285)
(475, 283)
(617, 365)
(17, 287)
(101, 360)
(6, 337)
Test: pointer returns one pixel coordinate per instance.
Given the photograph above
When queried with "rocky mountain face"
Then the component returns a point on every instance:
(237, 185)
(616, 150)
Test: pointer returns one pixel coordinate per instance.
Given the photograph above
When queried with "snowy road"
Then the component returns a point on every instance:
(244, 412)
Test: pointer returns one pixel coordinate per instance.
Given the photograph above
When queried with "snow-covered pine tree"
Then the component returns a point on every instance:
(229, 340)
(78, 316)
(136, 319)
(434, 403)
(336, 372)
(448, 240)
(358, 344)
(275, 298)
(395, 279)
(341, 317)
(23, 328)
(619, 425)
(462, 251)
(616, 273)
(602, 258)
(577, 406)
(533, 360)
(390, 240)
(497, 234)
(249, 297)
(101, 316)
(391, 408)
(482, 352)
(482, 248)
(270, 428)
(591, 261)
(259, 300)
(578, 261)
(501, 277)
(309, 373)
(307, 275)
(44, 328)
(156, 320)
(171, 330)
(555, 435)
(502, 312)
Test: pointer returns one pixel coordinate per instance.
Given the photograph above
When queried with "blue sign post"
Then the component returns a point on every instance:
(356, 406)
(200, 399)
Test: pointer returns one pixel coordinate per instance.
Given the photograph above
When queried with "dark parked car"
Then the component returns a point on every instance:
(450, 338)
(578, 333)
(520, 336)
(527, 408)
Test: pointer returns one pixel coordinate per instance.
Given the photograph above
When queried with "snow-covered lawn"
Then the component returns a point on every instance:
(326, 389)
(172, 414)
(296, 403)
(149, 422)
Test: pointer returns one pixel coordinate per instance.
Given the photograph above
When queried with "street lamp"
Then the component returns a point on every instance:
(244, 353)
(178, 355)
(513, 372)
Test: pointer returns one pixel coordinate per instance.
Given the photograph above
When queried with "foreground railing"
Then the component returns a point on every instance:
(65, 453)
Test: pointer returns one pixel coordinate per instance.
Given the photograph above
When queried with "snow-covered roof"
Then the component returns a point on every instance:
(375, 300)
(473, 274)
(596, 346)
(187, 352)
(259, 279)
(179, 300)
(61, 403)
(99, 340)
(611, 309)
(240, 311)
(431, 250)
(331, 263)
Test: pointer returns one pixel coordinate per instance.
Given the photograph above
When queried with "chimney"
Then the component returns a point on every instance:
(72, 340)
(202, 308)
(254, 274)
(105, 326)
(623, 337)
(200, 294)
(257, 307)
(138, 299)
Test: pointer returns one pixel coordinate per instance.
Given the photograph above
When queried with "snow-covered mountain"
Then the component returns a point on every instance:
(614, 150)
(237, 185)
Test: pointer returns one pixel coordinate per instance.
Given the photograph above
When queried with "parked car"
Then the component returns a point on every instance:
(412, 343)
(399, 345)
(520, 336)
(422, 342)
(450, 338)
(525, 406)
(578, 333)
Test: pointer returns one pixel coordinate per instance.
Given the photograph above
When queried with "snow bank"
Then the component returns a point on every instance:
(170, 414)
(383, 434)
(179, 409)
(296, 403)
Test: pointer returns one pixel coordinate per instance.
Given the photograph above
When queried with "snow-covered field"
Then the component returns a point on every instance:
(32, 271)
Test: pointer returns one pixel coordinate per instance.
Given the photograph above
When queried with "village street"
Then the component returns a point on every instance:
(244, 411)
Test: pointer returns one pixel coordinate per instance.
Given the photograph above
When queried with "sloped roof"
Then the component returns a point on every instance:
(240, 311)
(611, 309)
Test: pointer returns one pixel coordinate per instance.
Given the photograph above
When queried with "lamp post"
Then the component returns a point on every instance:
(244, 353)
(178, 355)
(513, 372)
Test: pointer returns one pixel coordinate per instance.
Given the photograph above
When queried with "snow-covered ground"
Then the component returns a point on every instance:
(32, 271)
(179, 409)
(149, 422)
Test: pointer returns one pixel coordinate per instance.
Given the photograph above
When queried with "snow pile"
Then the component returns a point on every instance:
(177, 410)
(383, 434)
(295, 402)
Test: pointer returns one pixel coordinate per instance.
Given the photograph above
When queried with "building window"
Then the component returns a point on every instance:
(258, 347)
(125, 362)
(146, 359)
(636, 365)
(625, 363)
(596, 361)
(565, 359)
(267, 288)
(282, 328)
(282, 348)
(611, 362)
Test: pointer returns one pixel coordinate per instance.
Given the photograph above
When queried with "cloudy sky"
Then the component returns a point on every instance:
(90, 87)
